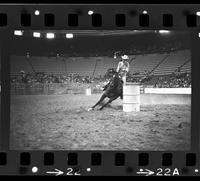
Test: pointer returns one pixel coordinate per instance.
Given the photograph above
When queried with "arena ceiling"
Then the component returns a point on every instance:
(61, 33)
(95, 42)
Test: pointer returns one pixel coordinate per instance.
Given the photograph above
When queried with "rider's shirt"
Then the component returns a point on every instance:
(123, 67)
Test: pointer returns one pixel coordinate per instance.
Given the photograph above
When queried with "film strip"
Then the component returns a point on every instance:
(49, 163)
(59, 60)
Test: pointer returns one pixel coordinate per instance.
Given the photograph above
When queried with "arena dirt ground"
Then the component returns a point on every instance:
(62, 122)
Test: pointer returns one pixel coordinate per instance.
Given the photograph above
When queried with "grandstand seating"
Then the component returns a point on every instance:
(175, 60)
(19, 63)
(104, 64)
(80, 65)
(145, 62)
(186, 67)
(86, 65)
(49, 65)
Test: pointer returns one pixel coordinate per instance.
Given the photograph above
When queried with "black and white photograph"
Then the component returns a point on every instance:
(100, 90)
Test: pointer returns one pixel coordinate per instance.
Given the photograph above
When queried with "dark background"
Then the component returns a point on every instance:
(104, 1)
(87, 45)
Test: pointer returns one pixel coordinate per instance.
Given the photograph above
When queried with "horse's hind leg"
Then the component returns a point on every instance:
(100, 100)
(110, 100)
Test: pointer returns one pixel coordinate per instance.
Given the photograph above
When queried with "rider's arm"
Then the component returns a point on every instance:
(127, 68)
(118, 67)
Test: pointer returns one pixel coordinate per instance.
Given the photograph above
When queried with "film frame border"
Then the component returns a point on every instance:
(129, 18)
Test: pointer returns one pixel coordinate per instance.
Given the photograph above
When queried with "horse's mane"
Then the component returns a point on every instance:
(115, 81)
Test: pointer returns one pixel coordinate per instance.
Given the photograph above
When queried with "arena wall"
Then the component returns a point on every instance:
(167, 90)
(59, 88)
(146, 98)
(152, 99)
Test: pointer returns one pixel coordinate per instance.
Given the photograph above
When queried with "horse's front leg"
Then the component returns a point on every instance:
(100, 100)
(110, 100)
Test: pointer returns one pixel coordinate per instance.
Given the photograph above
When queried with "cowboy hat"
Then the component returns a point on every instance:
(125, 57)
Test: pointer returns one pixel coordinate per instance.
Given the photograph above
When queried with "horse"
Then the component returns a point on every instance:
(112, 90)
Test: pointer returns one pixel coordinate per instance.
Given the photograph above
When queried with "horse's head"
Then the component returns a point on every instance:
(115, 73)
(111, 73)
(116, 79)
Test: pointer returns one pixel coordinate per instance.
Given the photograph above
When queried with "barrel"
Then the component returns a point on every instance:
(88, 91)
(131, 97)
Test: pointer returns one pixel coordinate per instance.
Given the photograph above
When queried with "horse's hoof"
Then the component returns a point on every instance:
(90, 109)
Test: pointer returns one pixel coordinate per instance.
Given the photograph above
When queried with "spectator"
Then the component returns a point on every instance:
(173, 80)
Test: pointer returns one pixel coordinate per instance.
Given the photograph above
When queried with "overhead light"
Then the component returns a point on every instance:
(37, 12)
(144, 12)
(198, 13)
(18, 32)
(50, 35)
(69, 35)
(199, 35)
(164, 31)
(90, 12)
(36, 34)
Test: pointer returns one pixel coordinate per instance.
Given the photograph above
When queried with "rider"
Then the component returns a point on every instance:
(123, 67)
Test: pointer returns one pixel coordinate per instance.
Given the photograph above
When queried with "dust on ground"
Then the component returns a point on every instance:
(62, 122)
